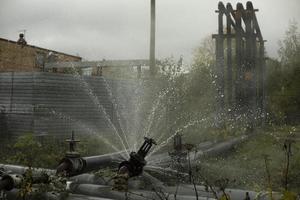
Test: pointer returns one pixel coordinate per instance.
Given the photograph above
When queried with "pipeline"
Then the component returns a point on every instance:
(222, 147)
(94, 179)
(73, 164)
(106, 192)
(11, 181)
(203, 150)
(17, 169)
(101, 192)
(12, 176)
(15, 195)
(184, 192)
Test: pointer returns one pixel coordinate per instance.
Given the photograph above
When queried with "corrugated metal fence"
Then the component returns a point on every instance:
(51, 103)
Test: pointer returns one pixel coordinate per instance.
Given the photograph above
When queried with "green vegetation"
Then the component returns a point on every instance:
(191, 97)
(246, 164)
(265, 153)
(283, 80)
(29, 150)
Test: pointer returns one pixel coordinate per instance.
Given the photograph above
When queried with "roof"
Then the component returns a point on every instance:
(40, 48)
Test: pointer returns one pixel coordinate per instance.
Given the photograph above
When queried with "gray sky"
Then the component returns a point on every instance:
(119, 29)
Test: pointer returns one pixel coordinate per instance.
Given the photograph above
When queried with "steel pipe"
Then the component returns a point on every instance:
(73, 166)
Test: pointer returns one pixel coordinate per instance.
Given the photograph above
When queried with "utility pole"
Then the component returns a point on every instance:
(152, 39)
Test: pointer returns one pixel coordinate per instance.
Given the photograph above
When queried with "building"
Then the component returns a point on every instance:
(35, 100)
(18, 56)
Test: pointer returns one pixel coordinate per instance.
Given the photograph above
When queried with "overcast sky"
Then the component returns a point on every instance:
(119, 29)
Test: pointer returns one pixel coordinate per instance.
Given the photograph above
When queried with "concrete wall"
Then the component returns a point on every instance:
(18, 58)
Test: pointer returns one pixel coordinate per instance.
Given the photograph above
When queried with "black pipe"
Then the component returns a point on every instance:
(72, 166)
(10, 181)
(75, 165)
(134, 166)
(6, 184)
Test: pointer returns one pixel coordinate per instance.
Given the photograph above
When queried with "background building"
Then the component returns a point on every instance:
(18, 56)
(36, 100)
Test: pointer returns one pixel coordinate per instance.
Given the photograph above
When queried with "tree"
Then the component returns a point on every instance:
(204, 55)
(283, 81)
(289, 51)
(27, 149)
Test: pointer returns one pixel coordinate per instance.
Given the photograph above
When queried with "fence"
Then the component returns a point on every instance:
(55, 104)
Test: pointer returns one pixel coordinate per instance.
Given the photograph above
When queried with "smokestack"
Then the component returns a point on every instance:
(152, 39)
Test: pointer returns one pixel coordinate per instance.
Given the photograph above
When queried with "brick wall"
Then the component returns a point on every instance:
(17, 58)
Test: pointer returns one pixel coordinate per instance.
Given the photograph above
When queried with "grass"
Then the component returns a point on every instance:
(245, 165)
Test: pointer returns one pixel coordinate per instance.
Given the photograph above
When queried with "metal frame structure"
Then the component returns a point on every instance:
(240, 62)
(102, 63)
(138, 63)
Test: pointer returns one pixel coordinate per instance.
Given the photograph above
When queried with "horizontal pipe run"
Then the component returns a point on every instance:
(79, 165)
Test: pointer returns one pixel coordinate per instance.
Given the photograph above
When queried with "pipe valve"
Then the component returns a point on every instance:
(134, 166)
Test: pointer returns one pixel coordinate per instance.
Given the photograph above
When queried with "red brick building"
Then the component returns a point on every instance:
(21, 57)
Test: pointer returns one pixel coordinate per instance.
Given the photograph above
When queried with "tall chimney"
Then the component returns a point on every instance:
(152, 39)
